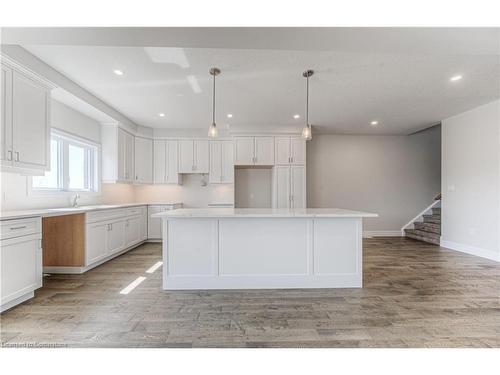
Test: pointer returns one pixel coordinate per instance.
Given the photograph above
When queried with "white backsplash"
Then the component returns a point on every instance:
(191, 193)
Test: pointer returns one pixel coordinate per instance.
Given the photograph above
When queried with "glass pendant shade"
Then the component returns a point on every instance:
(306, 133)
(212, 131)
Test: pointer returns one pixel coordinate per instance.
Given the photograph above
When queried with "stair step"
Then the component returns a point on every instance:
(432, 219)
(436, 210)
(428, 227)
(422, 236)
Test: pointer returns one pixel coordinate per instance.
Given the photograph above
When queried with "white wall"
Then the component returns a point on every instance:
(394, 176)
(471, 181)
(191, 193)
(15, 188)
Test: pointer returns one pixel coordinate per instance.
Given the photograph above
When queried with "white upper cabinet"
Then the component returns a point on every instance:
(244, 149)
(282, 148)
(118, 154)
(193, 156)
(166, 162)
(221, 162)
(6, 153)
(254, 150)
(25, 122)
(143, 160)
(290, 151)
(264, 150)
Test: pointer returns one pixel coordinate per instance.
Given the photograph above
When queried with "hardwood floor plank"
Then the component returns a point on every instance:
(415, 295)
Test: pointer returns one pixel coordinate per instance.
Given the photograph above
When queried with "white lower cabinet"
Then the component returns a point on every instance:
(289, 187)
(96, 242)
(20, 259)
(115, 240)
(132, 231)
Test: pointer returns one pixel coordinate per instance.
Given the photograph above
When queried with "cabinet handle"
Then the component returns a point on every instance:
(16, 228)
(9, 155)
(291, 159)
(17, 155)
(136, 177)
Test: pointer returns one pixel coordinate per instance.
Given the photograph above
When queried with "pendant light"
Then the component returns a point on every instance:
(212, 131)
(306, 131)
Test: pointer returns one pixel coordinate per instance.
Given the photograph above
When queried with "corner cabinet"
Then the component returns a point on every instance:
(254, 150)
(118, 154)
(289, 187)
(25, 121)
(221, 162)
(166, 162)
(143, 164)
(193, 156)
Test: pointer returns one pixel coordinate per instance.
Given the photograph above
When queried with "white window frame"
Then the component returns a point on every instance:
(92, 179)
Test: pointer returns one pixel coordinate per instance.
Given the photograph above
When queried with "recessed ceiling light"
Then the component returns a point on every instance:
(458, 77)
(229, 115)
(161, 114)
(374, 123)
(296, 116)
(118, 72)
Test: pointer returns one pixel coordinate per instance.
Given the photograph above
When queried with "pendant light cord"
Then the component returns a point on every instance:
(213, 103)
(307, 101)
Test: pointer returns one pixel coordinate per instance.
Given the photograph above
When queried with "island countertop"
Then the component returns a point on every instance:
(262, 212)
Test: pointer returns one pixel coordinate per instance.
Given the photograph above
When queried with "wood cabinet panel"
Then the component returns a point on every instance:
(64, 240)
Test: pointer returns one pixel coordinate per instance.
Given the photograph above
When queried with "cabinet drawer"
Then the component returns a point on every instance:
(20, 227)
(135, 211)
(96, 216)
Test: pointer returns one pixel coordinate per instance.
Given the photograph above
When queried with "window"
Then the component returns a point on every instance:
(73, 166)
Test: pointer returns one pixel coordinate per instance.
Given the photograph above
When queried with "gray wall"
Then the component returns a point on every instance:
(471, 182)
(252, 187)
(394, 176)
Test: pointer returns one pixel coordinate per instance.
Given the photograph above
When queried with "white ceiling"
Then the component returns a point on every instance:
(403, 90)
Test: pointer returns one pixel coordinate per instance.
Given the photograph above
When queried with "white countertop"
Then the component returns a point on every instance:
(262, 212)
(45, 212)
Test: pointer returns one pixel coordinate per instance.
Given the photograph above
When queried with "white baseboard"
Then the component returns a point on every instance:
(381, 233)
(472, 250)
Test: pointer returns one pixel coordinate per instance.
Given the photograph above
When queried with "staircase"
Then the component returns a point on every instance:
(428, 230)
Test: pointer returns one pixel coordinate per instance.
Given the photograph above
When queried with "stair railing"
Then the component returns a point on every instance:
(437, 200)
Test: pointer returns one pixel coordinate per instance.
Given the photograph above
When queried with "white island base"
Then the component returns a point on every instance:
(252, 249)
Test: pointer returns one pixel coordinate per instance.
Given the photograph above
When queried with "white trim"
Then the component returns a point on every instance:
(472, 250)
(381, 233)
(95, 170)
(15, 65)
(435, 203)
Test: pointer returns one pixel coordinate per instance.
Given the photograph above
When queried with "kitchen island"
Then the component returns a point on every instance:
(227, 248)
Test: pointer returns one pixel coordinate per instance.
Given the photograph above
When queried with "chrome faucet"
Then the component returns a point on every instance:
(75, 200)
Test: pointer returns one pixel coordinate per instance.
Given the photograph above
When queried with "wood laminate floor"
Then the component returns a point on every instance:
(415, 295)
